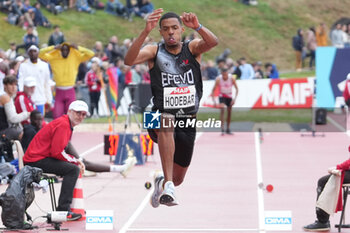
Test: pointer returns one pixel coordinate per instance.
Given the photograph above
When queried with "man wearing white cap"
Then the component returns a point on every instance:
(23, 101)
(49, 150)
(38, 69)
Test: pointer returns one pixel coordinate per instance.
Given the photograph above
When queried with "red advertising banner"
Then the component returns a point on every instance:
(286, 93)
(266, 93)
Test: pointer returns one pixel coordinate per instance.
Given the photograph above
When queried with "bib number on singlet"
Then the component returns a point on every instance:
(179, 97)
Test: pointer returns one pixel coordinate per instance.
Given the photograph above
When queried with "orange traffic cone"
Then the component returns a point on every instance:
(77, 205)
(110, 127)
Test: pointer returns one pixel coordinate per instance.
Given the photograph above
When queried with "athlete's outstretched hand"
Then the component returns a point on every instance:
(152, 19)
(190, 20)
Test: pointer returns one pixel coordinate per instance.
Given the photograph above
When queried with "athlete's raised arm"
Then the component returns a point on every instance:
(135, 54)
(208, 41)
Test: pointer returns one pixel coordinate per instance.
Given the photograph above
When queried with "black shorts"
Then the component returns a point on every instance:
(184, 144)
(225, 100)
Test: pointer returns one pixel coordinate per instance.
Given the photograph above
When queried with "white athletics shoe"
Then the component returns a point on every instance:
(168, 196)
(129, 163)
(157, 190)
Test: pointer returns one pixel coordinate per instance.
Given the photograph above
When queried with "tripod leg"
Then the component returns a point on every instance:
(137, 121)
(126, 125)
(122, 148)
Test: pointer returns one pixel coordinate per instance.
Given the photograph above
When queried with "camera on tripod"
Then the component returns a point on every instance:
(56, 218)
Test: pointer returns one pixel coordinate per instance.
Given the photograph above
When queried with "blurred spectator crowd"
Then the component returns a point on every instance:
(25, 14)
(106, 59)
(305, 44)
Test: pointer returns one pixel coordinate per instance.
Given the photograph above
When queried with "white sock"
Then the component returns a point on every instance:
(117, 168)
(169, 183)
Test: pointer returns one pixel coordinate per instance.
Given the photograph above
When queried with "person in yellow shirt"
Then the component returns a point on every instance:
(64, 60)
(322, 35)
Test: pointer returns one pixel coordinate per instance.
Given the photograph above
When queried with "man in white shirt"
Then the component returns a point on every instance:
(246, 69)
(337, 37)
(39, 69)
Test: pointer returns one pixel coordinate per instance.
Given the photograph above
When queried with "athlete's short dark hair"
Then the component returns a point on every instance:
(169, 15)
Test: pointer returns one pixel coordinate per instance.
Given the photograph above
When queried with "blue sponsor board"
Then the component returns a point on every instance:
(99, 220)
(277, 220)
(332, 67)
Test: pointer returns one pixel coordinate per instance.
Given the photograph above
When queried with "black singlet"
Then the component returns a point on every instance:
(176, 81)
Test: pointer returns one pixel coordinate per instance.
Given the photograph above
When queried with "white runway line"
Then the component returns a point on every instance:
(336, 124)
(92, 149)
(198, 135)
(191, 230)
(137, 212)
(261, 207)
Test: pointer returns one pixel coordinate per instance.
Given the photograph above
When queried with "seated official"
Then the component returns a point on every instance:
(322, 222)
(46, 151)
(51, 151)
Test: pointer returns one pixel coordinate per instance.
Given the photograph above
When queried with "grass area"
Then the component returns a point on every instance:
(120, 119)
(260, 33)
(81, 28)
(256, 115)
(302, 74)
(264, 115)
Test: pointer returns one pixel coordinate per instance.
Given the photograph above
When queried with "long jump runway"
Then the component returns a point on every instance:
(220, 192)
